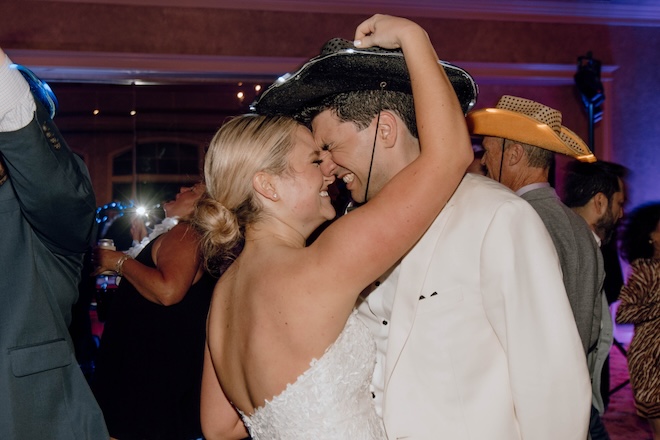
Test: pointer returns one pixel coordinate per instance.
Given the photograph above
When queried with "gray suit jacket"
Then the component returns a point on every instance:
(584, 274)
(46, 221)
(580, 258)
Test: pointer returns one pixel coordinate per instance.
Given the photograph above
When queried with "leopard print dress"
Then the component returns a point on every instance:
(640, 305)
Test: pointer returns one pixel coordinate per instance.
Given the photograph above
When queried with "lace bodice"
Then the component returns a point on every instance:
(331, 400)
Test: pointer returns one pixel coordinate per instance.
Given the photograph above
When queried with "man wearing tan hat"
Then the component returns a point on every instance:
(520, 139)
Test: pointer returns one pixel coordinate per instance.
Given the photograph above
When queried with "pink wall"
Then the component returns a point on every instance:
(628, 134)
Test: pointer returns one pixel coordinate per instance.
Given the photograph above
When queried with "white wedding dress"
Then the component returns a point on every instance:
(329, 401)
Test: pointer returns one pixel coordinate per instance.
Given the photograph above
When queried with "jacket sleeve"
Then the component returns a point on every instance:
(51, 183)
(547, 366)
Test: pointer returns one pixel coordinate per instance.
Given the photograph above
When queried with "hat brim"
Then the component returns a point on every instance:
(350, 69)
(512, 125)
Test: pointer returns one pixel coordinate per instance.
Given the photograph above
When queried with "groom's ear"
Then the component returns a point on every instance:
(387, 129)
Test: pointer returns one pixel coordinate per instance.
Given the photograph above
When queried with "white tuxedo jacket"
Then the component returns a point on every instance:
(491, 351)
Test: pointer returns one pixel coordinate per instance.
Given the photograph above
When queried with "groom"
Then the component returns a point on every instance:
(475, 335)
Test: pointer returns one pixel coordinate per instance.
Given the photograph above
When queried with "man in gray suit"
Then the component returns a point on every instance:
(520, 139)
(47, 210)
(596, 191)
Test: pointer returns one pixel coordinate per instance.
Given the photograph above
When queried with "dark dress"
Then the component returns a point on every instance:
(149, 368)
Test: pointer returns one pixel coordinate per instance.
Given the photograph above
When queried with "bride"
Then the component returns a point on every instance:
(285, 356)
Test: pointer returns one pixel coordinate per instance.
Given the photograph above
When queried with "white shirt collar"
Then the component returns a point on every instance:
(532, 186)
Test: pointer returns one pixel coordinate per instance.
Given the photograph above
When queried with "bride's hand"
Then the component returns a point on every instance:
(387, 32)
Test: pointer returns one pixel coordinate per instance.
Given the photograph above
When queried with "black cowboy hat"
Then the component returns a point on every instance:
(341, 67)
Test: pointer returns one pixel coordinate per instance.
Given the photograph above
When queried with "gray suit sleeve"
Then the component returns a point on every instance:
(52, 185)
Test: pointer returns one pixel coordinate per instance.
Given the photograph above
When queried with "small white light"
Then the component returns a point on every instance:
(96, 112)
(141, 210)
(257, 87)
(240, 95)
(133, 112)
(283, 78)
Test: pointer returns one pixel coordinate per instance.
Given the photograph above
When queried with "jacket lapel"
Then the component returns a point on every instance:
(413, 270)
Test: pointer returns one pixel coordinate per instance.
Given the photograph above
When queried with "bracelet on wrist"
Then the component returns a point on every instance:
(120, 264)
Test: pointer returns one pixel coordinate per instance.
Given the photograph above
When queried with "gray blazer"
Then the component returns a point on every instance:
(46, 221)
(583, 271)
(580, 258)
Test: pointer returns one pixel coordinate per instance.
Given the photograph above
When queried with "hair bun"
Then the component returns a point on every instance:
(219, 231)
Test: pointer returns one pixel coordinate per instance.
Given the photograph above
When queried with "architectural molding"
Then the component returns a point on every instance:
(122, 68)
(621, 13)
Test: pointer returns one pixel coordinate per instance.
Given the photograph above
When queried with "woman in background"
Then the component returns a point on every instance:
(149, 366)
(640, 305)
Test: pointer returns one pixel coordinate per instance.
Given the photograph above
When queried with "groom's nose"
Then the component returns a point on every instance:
(328, 166)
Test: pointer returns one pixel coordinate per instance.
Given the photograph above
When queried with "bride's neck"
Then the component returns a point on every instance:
(275, 231)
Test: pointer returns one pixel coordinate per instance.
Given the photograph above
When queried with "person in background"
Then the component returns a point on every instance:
(85, 342)
(521, 138)
(285, 350)
(139, 229)
(606, 180)
(47, 208)
(612, 288)
(640, 305)
(149, 365)
(476, 167)
(596, 192)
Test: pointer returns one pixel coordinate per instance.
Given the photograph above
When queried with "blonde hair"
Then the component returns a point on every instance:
(241, 148)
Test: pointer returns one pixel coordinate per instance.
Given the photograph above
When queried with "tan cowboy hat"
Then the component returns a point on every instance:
(529, 122)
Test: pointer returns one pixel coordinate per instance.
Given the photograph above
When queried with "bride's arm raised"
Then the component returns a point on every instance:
(365, 243)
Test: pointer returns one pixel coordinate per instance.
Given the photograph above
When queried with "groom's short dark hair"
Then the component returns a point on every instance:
(360, 107)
